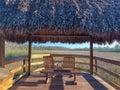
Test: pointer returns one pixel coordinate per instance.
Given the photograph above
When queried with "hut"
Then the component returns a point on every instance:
(71, 21)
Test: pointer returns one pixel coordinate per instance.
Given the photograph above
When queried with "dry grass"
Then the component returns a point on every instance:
(109, 55)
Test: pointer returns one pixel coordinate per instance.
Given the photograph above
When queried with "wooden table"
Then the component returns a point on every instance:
(47, 72)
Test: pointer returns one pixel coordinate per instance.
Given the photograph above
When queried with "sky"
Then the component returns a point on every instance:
(73, 46)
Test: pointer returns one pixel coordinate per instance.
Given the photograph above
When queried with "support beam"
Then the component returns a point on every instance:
(91, 55)
(2, 50)
(60, 36)
(29, 56)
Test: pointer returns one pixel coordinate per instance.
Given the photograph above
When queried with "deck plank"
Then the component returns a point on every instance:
(36, 82)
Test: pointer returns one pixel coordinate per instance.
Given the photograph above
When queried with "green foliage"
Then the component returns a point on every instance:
(116, 48)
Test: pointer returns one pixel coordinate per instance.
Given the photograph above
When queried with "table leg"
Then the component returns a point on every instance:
(46, 78)
(75, 79)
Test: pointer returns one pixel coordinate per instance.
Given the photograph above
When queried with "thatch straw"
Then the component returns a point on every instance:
(100, 18)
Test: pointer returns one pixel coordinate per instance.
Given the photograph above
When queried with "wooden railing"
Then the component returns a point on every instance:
(105, 68)
(109, 70)
(100, 64)
(17, 66)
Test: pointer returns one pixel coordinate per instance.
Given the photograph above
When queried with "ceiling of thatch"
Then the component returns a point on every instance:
(99, 18)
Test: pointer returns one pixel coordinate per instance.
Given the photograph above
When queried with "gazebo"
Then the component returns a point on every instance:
(71, 21)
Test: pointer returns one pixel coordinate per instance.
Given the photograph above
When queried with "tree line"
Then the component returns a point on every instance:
(14, 46)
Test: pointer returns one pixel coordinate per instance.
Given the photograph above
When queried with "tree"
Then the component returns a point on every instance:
(117, 46)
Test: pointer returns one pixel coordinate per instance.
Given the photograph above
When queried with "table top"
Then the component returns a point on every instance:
(73, 71)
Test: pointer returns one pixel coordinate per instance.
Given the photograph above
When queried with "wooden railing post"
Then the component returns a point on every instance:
(95, 66)
(29, 55)
(24, 65)
(91, 55)
(2, 49)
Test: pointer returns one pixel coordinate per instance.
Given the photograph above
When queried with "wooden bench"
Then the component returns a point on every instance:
(68, 67)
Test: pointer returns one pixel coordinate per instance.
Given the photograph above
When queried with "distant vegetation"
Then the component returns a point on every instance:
(116, 48)
(14, 49)
(49, 48)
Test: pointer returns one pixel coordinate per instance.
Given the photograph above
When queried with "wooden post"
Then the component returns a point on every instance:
(29, 56)
(91, 55)
(24, 65)
(2, 49)
(95, 66)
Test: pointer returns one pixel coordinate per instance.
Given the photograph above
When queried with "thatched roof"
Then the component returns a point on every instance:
(99, 18)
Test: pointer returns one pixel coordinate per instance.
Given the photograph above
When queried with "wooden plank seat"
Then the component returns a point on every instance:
(68, 67)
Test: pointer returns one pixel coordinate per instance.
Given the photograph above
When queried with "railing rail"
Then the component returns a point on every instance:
(111, 73)
(108, 71)
(74, 55)
(108, 60)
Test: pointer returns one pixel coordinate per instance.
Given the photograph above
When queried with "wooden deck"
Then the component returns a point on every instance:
(84, 82)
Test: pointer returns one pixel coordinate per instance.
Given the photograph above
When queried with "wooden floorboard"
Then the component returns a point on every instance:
(36, 81)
